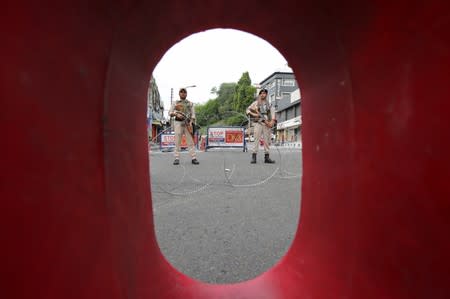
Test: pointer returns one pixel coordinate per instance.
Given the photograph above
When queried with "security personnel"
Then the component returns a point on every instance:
(184, 113)
(263, 115)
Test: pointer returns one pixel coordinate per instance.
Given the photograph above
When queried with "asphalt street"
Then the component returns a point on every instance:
(225, 220)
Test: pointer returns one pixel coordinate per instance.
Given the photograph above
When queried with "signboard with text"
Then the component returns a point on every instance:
(226, 137)
(168, 140)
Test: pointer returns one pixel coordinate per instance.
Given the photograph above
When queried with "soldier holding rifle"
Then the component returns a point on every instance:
(184, 113)
(263, 115)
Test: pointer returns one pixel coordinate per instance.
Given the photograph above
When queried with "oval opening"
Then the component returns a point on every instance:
(225, 220)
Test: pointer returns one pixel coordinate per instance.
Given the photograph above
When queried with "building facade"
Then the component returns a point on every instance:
(284, 94)
(155, 111)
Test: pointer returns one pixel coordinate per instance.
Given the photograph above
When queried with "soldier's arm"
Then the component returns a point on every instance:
(273, 114)
(171, 110)
(273, 117)
(252, 108)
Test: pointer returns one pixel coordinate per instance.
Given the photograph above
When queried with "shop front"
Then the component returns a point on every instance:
(289, 130)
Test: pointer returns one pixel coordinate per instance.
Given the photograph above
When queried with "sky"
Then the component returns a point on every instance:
(210, 58)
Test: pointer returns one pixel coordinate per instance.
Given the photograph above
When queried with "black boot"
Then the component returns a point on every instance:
(267, 159)
(253, 158)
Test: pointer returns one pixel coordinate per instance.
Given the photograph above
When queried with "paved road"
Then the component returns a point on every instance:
(225, 220)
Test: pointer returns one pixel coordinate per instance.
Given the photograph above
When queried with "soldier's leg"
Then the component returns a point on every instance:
(257, 134)
(266, 136)
(267, 132)
(178, 134)
(191, 146)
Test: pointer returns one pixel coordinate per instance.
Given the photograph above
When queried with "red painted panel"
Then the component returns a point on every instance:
(76, 211)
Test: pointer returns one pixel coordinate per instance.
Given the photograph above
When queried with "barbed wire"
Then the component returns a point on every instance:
(228, 172)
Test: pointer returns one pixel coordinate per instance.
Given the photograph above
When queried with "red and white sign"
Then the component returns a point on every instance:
(226, 137)
(168, 140)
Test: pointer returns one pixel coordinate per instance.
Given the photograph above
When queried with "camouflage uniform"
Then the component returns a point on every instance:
(180, 127)
(266, 114)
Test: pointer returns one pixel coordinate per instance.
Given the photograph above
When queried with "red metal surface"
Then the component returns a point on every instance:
(76, 211)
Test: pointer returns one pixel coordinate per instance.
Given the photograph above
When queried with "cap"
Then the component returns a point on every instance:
(262, 90)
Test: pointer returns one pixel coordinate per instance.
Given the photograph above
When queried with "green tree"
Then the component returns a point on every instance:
(207, 113)
(244, 94)
(228, 108)
(224, 98)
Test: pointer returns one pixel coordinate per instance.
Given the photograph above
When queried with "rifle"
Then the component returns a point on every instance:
(262, 119)
(187, 122)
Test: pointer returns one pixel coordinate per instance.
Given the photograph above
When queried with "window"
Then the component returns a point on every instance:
(288, 82)
(290, 113)
(278, 87)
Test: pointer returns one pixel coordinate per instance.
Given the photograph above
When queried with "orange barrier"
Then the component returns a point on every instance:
(75, 175)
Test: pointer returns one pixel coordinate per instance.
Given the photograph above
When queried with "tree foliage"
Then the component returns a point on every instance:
(244, 94)
(228, 108)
